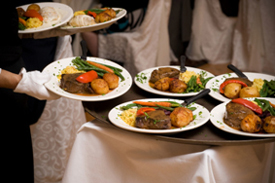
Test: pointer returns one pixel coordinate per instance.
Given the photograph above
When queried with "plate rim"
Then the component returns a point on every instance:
(155, 131)
(48, 84)
(231, 130)
(70, 15)
(167, 94)
(218, 96)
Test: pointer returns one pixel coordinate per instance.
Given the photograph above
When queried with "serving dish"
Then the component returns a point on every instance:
(214, 83)
(218, 112)
(201, 113)
(143, 77)
(56, 67)
(65, 11)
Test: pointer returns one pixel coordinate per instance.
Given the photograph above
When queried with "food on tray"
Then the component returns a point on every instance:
(86, 78)
(257, 116)
(35, 16)
(244, 88)
(81, 20)
(157, 115)
(92, 16)
(171, 80)
(49, 14)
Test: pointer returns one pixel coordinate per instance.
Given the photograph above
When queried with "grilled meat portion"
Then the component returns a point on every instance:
(69, 84)
(235, 113)
(154, 120)
(164, 72)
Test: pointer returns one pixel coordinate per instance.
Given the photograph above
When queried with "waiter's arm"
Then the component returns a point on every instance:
(9, 80)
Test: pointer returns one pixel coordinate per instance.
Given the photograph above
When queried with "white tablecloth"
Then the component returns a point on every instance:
(104, 153)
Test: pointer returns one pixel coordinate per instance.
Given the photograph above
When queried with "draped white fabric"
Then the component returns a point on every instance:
(147, 46)
(254, 37)
(246, 41)
(54, 133)
(103, 153)
(212, 33)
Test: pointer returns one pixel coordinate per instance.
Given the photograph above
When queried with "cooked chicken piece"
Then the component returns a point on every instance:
(177, 86)
(162, 84)
(49, 14)
(181, 117)
(82, 20)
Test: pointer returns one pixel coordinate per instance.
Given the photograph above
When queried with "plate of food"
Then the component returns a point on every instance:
(168, 81)
(94, 79)
(253, 117)
(228, 86)
(158, 116)
(94, 19)
(42, 16)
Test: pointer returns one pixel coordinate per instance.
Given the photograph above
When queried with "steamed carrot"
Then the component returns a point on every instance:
(153, 104)
(101, 66)
(22, 21)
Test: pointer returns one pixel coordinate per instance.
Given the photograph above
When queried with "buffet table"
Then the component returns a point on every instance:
(103, 152)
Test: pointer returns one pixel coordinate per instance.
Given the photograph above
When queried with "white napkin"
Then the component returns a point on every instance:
(32, 83)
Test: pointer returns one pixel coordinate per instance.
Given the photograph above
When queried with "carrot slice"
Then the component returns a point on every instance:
(21, 20)
(101, 66)
(153, 104)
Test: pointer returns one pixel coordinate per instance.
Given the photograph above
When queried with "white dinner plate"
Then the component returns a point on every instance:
(201, 117)
(214, 83)
(98, 26)
(56, 67)
(64, 10)
(146, 74)
(217, 114)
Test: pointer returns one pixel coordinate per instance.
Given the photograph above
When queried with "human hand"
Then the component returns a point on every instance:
(32, 84)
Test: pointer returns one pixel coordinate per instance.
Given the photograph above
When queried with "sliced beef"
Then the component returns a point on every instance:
(235, 113)
(246, 81)
(154, 120)
(164, 72)
(69, 84)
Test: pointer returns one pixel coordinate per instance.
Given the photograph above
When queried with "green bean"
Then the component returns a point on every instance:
(266, 104)
(271, 110)
(129, 106)
(167, 108)
(191, 108)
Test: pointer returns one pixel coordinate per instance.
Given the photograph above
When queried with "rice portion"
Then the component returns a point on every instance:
(129, 116)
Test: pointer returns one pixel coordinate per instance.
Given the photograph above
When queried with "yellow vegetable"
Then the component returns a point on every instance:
(129, 116)
(258, 83)
(186, 76)
(79, 13)
(69, 70)
(33, 23)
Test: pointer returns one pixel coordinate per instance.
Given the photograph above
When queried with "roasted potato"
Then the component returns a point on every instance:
(111, 79)
(232, 90)
(181, 117)
(20, 12)
(162, 84)
(251, 123)
(177, 86)
(269, 124)
(35, 7)
(100, 86)
(249, 92)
